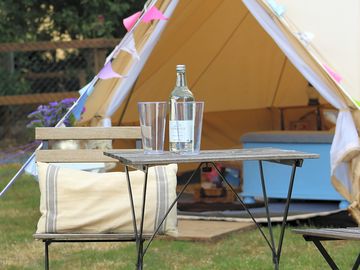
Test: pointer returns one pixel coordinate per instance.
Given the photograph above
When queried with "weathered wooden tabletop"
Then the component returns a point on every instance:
(138, 158)
(336, 233)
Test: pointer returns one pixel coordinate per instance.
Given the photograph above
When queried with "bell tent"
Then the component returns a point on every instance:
(244, 60)
(248, 61)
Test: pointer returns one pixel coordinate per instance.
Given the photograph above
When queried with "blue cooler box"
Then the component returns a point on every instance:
(312, 180)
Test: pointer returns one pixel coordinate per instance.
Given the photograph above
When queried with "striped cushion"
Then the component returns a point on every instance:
(74, 201)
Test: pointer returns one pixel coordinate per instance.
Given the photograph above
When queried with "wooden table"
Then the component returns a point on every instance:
(139, 160)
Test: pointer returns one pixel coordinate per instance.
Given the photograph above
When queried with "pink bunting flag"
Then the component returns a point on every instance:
(130, 21)
(107, 72)
(333, 74)
(152, 14)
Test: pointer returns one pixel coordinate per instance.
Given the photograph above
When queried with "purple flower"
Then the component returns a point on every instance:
(34, 123)
(34, 114)
(68, 101)
(49, 115)
(53, 104)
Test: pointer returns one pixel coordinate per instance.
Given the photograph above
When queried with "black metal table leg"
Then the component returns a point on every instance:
(287, 206)
(317, 242)
(140, 256)
(138, 233)
(242, 203)
(276, 253)
(263, 186)
(141, 239)
(47, 243)
(357, 263)
(172, 205)
(325, 254)
(132, 205)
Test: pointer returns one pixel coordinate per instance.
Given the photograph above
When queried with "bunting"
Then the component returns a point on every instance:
(107, 72)
(151, 14)
(305, 37)
(84, 92)
(129, 46)
(277, 8)
(332, 73)
(131, 20)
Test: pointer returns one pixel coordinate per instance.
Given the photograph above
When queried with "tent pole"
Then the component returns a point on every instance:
(282, 121)
(318, 117)
(30, 159)
(19, 172)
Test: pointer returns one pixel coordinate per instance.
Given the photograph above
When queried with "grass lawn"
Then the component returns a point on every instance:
(247, 250)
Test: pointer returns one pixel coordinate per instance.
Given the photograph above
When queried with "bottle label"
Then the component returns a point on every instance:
(181, 130)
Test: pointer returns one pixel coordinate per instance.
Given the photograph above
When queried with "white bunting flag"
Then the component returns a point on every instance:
(305, 37)
(129, 46)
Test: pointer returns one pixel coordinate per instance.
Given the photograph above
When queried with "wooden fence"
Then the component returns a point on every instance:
(47, 78)
(99, 47)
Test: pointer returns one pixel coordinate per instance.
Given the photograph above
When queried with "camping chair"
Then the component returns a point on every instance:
(80, 156)
(331, 234)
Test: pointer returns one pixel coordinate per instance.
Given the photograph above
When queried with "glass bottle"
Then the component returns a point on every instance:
(181, 122)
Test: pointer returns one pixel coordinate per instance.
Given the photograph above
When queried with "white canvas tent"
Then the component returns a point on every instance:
(240, 72)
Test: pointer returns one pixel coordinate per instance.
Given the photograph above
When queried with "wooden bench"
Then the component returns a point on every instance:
(327, 234)
(81, 156)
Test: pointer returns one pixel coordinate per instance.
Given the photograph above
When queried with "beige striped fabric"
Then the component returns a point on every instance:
(74, 201)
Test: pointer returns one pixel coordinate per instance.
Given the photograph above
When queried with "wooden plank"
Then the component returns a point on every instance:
(42, 98)
(341, 233)
(51, 45)
(89, 133)
(192, 230)
(353, 229)
(87, 236)
(66, 156)
(265, 154)
(52, 75)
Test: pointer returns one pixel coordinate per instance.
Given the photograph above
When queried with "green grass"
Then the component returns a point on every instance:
(244, 250)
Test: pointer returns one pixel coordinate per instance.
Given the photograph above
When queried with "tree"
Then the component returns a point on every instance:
(49, 20)
(41, 20)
